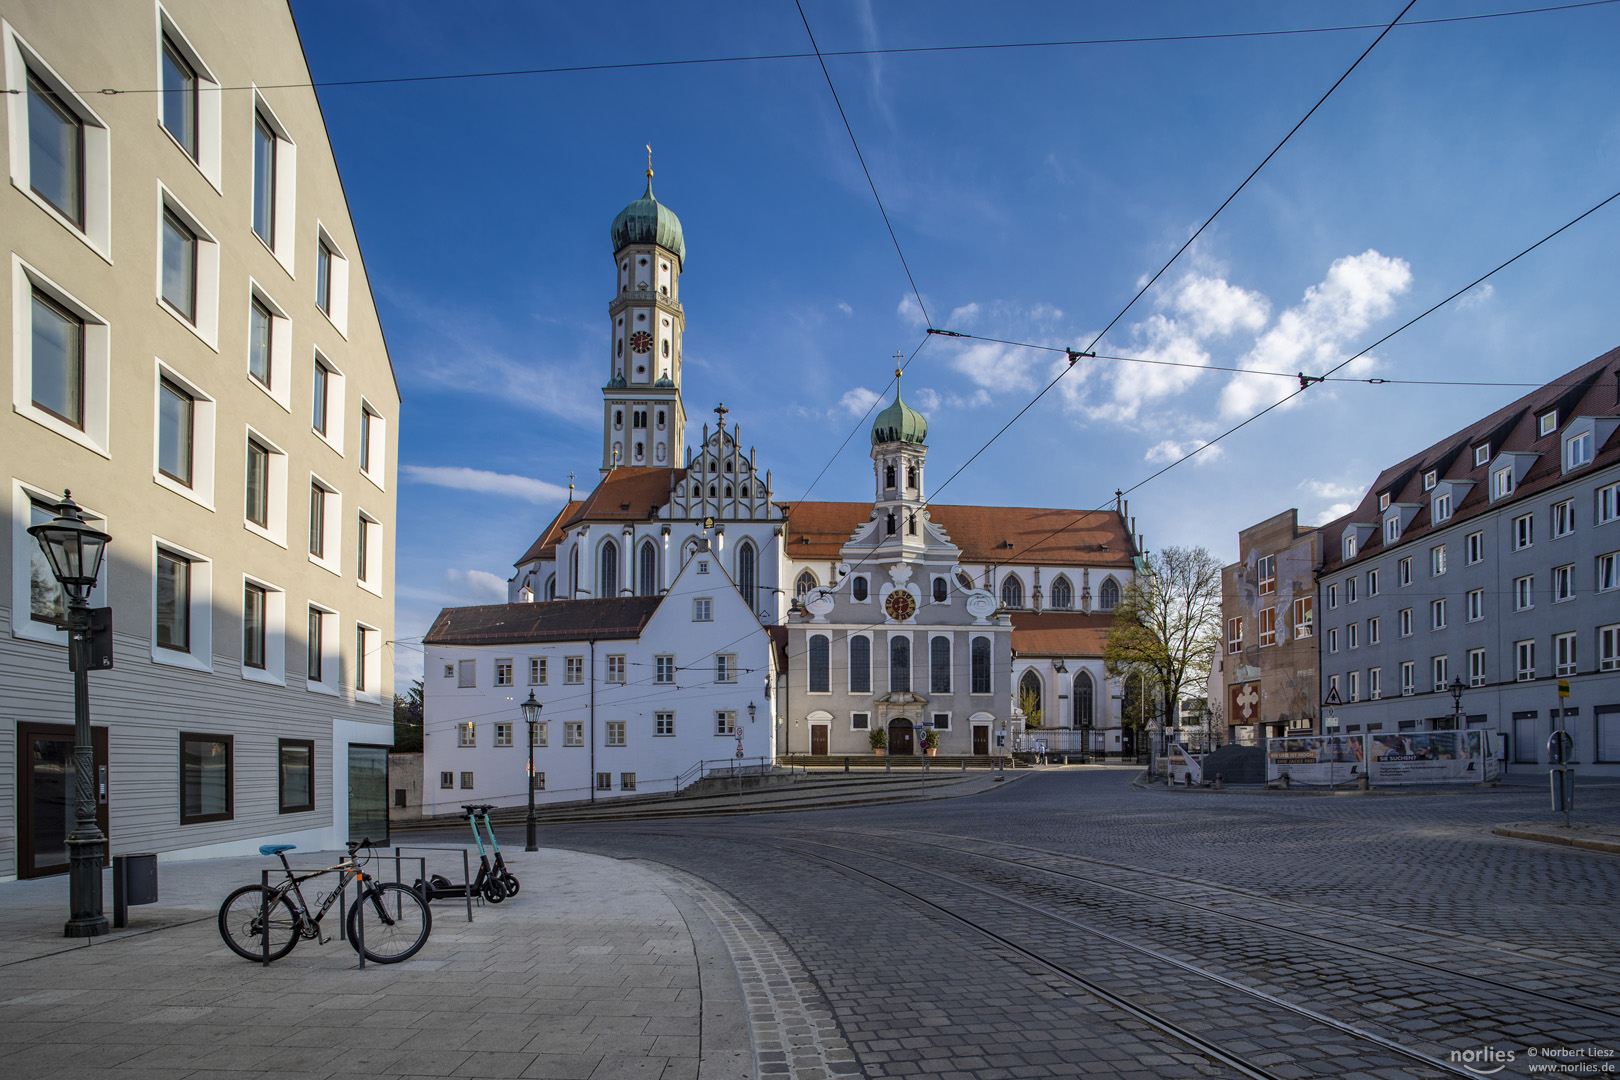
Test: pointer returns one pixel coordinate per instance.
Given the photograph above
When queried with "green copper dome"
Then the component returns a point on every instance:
(647, 221)
(899, 423)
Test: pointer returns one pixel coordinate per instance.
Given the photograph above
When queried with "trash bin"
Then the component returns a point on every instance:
(134, 882)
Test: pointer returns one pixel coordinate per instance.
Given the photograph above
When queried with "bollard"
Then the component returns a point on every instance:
(1218, 785)
(964, 764)
(1364, 781)
(888, 763)
(846, 764)
(1285, 779)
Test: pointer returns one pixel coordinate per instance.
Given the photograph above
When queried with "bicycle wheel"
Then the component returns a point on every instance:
(397, 922)
(241, 923)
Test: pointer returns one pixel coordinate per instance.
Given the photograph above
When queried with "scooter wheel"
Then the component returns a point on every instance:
(493, 891)
(510, 883)
(442, 882)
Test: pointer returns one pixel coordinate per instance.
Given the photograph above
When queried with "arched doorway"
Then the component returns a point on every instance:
(900, 740)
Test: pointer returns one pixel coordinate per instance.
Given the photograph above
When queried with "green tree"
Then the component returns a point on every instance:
(1029, 703)
(408, 720)
(1166, 626)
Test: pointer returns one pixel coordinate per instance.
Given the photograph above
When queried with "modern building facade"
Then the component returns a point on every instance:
(196, 355)
(1491, 558)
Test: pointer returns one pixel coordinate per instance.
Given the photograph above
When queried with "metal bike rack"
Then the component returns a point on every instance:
(466, 867)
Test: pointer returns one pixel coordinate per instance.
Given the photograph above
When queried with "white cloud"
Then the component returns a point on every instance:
(1336, 510)
(1170, 451)
(493, 483)
(1478, 297)
(1328, 489)
(964, 316)
(476, 583)
(857, 401)
(1216, 308)
(927, 400)
(1313, 335)
(845, 308)
(911, 312)
(995, 367)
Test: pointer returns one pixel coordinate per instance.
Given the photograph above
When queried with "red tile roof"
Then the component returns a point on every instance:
(1060, 633)
(556, 620)
(628, 493)
(986, 534)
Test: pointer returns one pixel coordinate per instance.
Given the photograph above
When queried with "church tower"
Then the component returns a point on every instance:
(899, 450)
(643, 420)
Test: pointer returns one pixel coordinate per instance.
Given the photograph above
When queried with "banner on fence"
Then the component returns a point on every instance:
(1182, 764)
(1416, 757)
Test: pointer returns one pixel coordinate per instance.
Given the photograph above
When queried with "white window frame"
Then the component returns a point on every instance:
(1372, 583)
(1408, 678)
(1522, 651)
(22, 548)
(574, 733)
(511, 671)
(664, 669)
(664, 724)
(1437, 614)
(285, 228)
(1355, 686)
(206, 324)
(615, 669)
(373, 538)
(1403, 623)
(573, 671)
(275, 527)
(1430, 478)
(1563, 583)
(1352, 636)
(331, 557)
(1609, 647)
(1392, 529)
(1578, 450)
(1332, 596)
(374, 429)
(1524, 592)
(96, 234)
(1403, 572)
(1482, 455)
(1475, 610)
(1440, 671)
(1333, 640)
(336, 402)
(1375, 683)
(330, 682)
(209, 112)
(1437, 560)
(539, 734)
(203, 413)
(1608, 504)
(614, 733)
(1502, 483)
(537, 670)
(1474, 548)
(1375, 630)
(274, 671)
(1565, 654)
(725, 667)
(1440, 508)
(1562, 519)
(725, 723)
(97, 346)
(703, 609)
(281, 375)
(467, 735)
(1476, 667)
(1524, 532)
(1608, 572)
(503, 733)
(338, 283)
(200, 613)
(1547, 423)
(370, 664)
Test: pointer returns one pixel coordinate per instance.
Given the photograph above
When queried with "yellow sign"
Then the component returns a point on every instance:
(1563, 688)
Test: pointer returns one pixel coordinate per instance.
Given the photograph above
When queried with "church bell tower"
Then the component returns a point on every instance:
(899, 452)
(643, 420)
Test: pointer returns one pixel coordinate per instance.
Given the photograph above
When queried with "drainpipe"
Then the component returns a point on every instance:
(592, 777)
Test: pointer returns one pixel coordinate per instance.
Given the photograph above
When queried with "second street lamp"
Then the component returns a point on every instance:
(1457, 689)
(531, 717)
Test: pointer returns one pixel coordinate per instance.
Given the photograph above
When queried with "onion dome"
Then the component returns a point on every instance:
(899, 422)
(647, 221)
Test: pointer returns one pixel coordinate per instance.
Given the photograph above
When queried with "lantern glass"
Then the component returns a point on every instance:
(531, 710)
(75, 550)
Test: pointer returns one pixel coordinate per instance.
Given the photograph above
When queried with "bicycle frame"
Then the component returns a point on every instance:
(347, 871)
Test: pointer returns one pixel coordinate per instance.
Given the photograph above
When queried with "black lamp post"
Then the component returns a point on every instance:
(531, 716)
(75, 551)
(1456, 703)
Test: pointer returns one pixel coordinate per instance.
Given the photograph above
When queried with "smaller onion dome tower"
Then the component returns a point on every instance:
(899, 451)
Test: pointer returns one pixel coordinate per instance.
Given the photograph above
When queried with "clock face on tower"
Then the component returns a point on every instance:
(641, 342)
(900, 605)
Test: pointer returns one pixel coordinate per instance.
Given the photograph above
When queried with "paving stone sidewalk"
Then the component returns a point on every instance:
(600, 968)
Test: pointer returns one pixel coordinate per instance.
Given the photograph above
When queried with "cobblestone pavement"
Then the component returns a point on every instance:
(1074, 925)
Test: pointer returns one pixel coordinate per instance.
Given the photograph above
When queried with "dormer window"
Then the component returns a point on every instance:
(1578, 451)
(1392, 529)
(1429, 479)
(1349, 545)
(1502, 482)
(1482, 454)
(1547, 422)
(1383, 501)
(1441, 510)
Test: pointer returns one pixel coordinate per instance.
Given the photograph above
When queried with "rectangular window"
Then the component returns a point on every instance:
(1563, 583)
(503, 733)
(1608, 504)
(55, 151)
(467, 734)
(317, 521)
(179, 98)
(1429, 479)
(466, 781)
(1441, 669)
(1441, 510)
(537, 781)
(615, 669)
(980, 655)
(1333, 596)
(574, 671)
(1482, 455)
(860, 721)
(362, 570)
(725, 667)
(317, 653)
(447, 781)
(1524, 531)
(1392, 529)
(1437, 561)
(615, 733)
(1437, 614)
(1476, 548)
(1525, 651)
(537, 671)
(604, 781)
(1403, 572)
(173, 611)
(1268, 575)
(365, 440)
(264, 180)
(466, 674)
(503, 673)
(1383, 501)
(1547, 423)
(1372, 583)
(1502, 482)
(296, 775)
(1350, 596)
(1608, 571)
(205, 779)
(725, 722)
(627, 781)
(942, 721)
(258, 484)
(1403, 622)
(1524, 592)
(703, 610)
(1353, 635)
(939, 665)
(574, 733)
(1609, 648)
(1333, 640)
(323, 277)
(318, 411)
(179, 267)
(1375, 630)
(663, 669)
(1355, 686)
(1375, 683)
(177, 412)
(57, 360)
(1268, 627)
(1564, 654)
(1304, 616)
(1563, 518)
(539, 733)
(663, 724)
(1234, 635)
(1476, 667)
(254, 620)
(1476, 605)
(1408, 678)
(261, 328)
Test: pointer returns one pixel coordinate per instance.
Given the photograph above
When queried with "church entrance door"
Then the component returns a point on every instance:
(981, 740)
(900, 737)
(818, 739)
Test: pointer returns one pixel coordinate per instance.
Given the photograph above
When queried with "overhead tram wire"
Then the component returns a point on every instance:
(1182, 249)
(1145, 39)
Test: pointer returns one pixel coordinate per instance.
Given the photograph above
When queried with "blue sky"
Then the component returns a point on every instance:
(1033, 191)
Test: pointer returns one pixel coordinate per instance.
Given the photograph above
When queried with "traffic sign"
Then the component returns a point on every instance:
(1563, 688)
(1333, 696)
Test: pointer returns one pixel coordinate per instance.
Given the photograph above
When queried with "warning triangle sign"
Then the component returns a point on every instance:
(1333, 696)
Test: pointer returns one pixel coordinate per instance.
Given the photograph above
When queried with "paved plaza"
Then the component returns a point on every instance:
(1066, 923)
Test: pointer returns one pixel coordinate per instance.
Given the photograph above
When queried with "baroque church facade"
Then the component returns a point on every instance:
(893, 615)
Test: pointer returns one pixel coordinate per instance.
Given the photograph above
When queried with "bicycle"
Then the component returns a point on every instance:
(396, 919)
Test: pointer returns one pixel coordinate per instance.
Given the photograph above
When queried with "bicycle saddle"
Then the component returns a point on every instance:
(275, 849)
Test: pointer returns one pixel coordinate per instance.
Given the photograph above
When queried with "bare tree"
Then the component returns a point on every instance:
(1168, 622)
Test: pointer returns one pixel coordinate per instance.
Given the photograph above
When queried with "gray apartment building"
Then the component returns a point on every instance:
(1493, 558)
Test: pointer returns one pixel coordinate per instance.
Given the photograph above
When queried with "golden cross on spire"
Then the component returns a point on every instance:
(570, 487)
(899, 356)
(649, 161)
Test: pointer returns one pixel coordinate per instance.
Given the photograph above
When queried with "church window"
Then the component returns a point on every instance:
(911, 476)
(820, 665)
(859, 589)
(648, 585)
(608, 582)
(939, 665)
(660, 419)
(981, 665)
(1084, 692)
(860, 664)
(1012, 592)
(620, 348)
(911, 524)
(643, 261)
(899, 664)
(1062, 594)
(639, 418)
(639, 451)
(618, 418)
(891, 522)
(1108, 595)
(728, 466)
(964, 581)
(888, 476)
(942, 590)
(713, 491)
(666, 348)
(728, 491)
(745, 491)
(1029, 695)
(806, 582)
(551, 587)
(746, 562)
(573, 570)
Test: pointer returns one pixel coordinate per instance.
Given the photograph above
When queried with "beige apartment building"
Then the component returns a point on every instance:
(194, 351)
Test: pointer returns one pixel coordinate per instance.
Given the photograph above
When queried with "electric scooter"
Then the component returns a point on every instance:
(498, 870)
(488, 884)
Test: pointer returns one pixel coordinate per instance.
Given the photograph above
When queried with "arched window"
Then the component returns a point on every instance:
(618, 418)
(860, 665)
(573, 572)
(1029, 695)
(648, 585)
(963, 580)
(607, 582)
(620, 347)
(712, 491)
(551, 586)
(888, 476)
(1108, 595)
(746, 573)
(728, 491)
(806, 582)
(1083, 693)
(666, 340)
(911, 476)
(728, 465)
(942, 590)
(745, 491)
(939, 665)
(899, 663)
(820, 665)
(981, 665)
(858, 589)
(1062, 594)
(1012, 591)
(891, 522)
(911, 524)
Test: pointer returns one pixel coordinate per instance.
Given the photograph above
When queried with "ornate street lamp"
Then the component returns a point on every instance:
(1457, 689)
(531, 717)
(75, 551)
